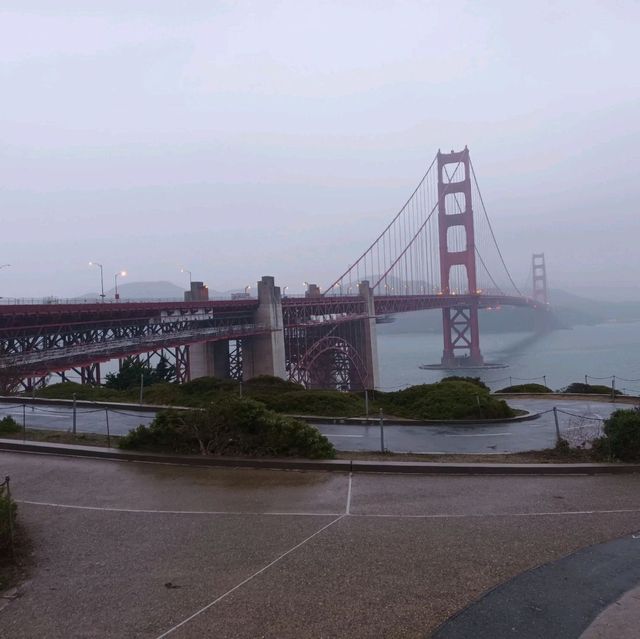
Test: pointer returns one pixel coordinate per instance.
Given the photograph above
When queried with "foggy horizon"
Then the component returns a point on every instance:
(280, 138)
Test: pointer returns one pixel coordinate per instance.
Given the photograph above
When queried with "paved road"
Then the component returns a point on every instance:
(489, 438)
(148, 551)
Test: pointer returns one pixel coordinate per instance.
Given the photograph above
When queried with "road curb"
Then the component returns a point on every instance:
(342, 465)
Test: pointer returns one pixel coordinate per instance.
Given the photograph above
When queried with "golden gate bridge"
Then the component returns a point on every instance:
(438, 252)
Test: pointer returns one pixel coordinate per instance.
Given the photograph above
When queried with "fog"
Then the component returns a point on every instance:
(238, 139)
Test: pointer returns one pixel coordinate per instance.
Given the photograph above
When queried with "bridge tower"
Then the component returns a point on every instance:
(460, 324)
(539, 270)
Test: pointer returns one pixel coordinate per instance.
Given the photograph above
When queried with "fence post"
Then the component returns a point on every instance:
(74, 415)
(24, 421)
(381, 432)
(555, 418)
(366, 402)
(106, 412)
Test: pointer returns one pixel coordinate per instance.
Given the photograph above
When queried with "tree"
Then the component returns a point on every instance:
(129, 376)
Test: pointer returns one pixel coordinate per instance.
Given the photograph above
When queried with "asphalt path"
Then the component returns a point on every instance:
(496, 437)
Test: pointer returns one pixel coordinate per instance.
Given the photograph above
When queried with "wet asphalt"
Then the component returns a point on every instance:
(126, 549)
(498, 437)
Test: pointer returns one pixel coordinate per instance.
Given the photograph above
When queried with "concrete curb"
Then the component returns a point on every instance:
(342, 465)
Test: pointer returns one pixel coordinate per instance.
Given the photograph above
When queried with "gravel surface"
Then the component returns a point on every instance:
(132, 549)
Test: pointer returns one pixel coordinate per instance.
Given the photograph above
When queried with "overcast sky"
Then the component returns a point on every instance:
(279, 137)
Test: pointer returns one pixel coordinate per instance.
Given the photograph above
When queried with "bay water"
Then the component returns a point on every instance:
(561, 356)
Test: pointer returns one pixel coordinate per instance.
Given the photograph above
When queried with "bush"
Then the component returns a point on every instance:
(621, 436)
(66, 390)
(449, 400)
(526, 388)
(231, 426)
(312, 402)
(9, 425)
(8, 511)
(471, 380)
(589, 389)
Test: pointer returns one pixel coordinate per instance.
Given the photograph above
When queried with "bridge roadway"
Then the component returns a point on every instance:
(38, 338)
(486, 438)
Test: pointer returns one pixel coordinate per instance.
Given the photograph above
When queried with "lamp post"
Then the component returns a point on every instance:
(115, 279)
(101, 278)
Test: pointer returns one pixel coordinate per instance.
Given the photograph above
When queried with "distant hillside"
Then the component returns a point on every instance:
(143, 291)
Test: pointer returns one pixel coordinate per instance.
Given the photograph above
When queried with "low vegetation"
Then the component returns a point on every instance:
(8, 513)
(589, 389)
(451, 398)
(621, 439)
(526, 388)
(231, 426)
(445, 400)
(9, 426)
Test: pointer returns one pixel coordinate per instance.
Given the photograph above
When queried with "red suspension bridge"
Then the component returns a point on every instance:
(438, 252)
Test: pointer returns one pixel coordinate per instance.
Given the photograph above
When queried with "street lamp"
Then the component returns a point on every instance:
(115, 279)
(101, 278)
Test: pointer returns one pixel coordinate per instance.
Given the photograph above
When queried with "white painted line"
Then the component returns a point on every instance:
(248, 579)
(176, 512)
(332, 435)
(348, 508)
(481, 435)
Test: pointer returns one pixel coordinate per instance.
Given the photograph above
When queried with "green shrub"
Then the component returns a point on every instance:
(231, 426)
(449, 400)
(471, 380)
(269, 382)
(526, 388)
(589, 389)
(66, 390)
(9, 425)
(622, 435)
(8, 509)
(312, 402)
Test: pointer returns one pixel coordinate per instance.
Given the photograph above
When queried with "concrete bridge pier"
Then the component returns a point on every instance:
(209, 359)
(265, 354)
(368, 342)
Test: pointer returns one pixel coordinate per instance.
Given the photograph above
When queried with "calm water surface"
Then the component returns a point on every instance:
(563, 356)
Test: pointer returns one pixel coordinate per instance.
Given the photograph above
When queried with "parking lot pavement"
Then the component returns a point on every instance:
(148, 550)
